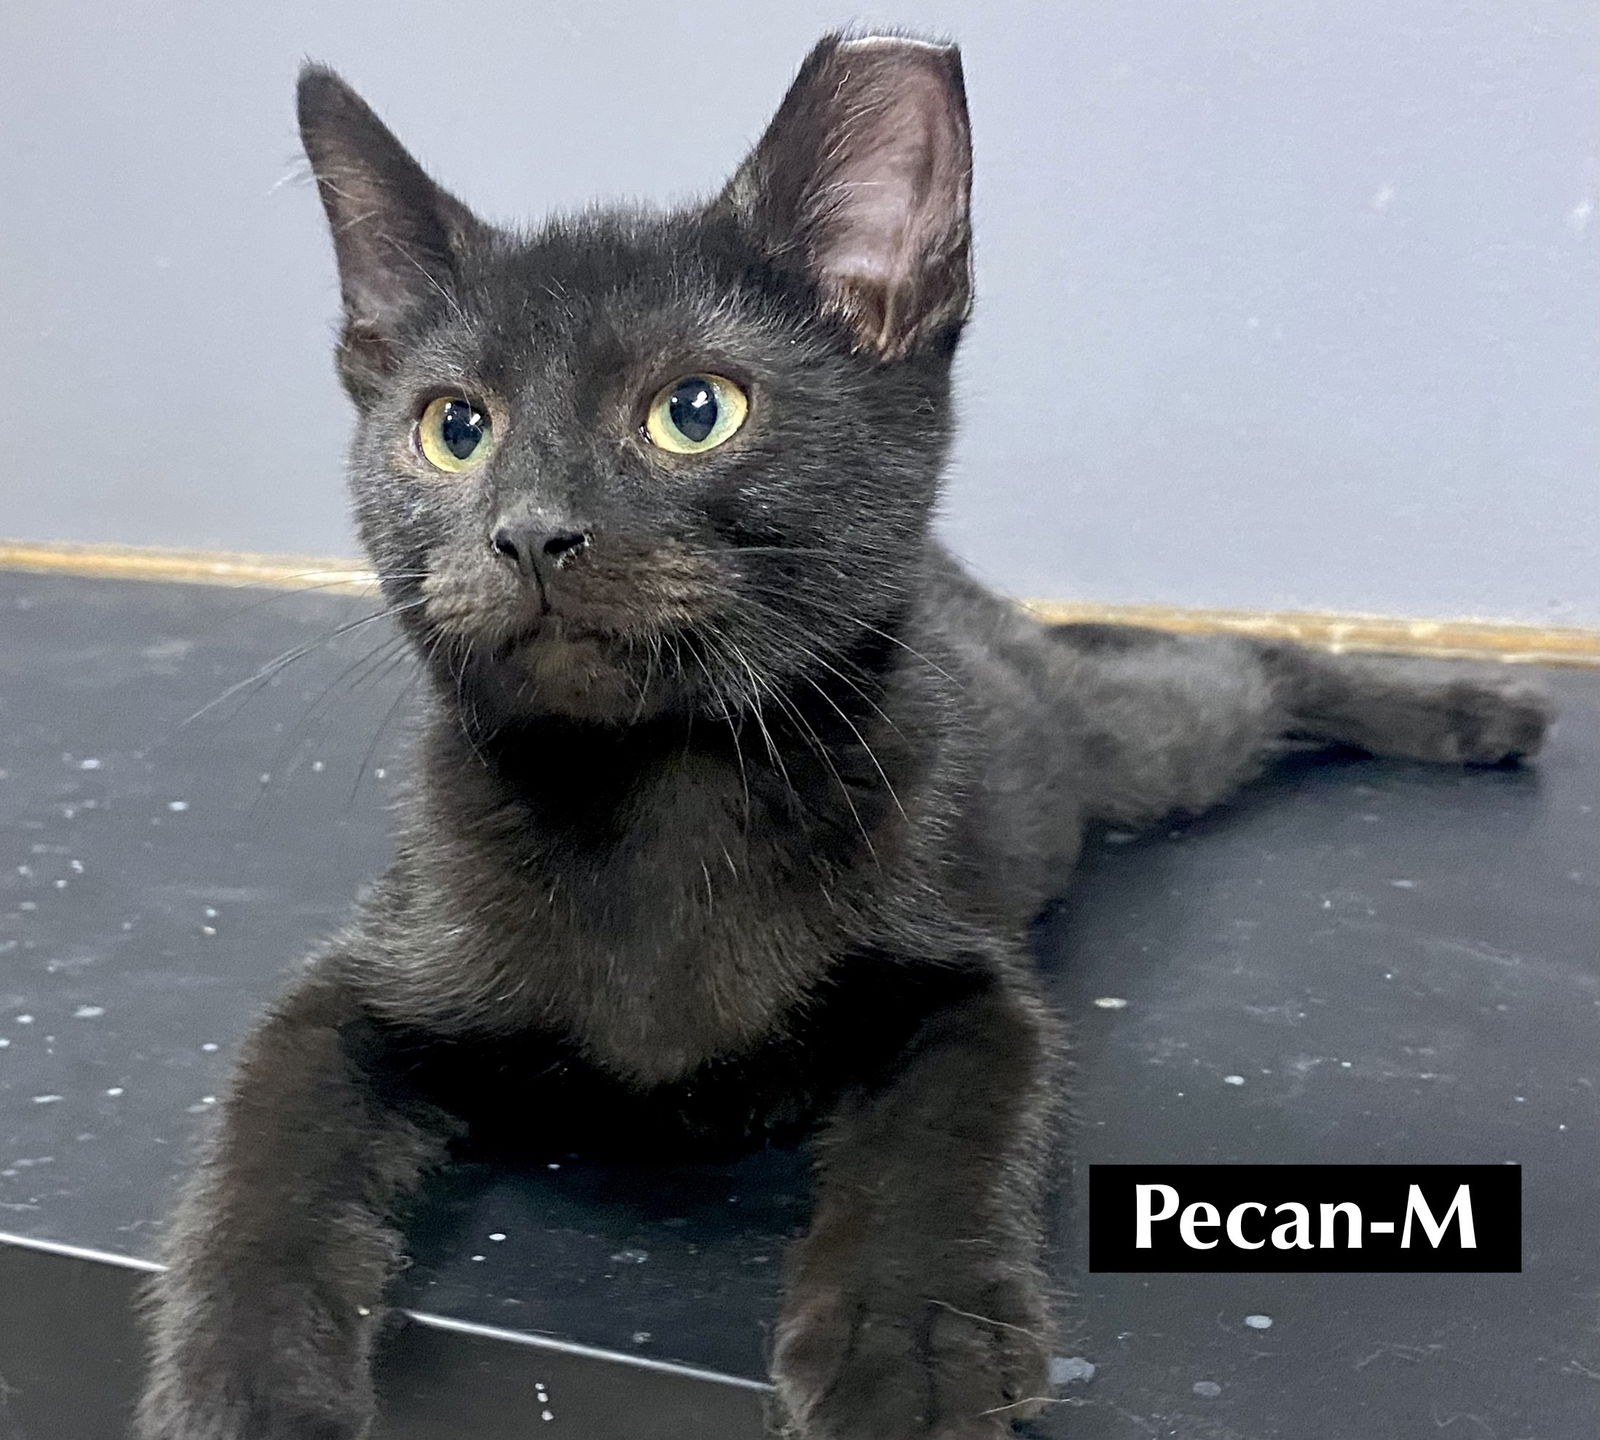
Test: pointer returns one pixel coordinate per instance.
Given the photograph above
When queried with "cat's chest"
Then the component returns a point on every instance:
(688, 937)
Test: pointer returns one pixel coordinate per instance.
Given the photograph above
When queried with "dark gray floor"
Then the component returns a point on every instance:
(1398, 963)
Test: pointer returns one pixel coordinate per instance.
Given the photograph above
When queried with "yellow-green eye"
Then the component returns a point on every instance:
(454, 434)
(696, 414)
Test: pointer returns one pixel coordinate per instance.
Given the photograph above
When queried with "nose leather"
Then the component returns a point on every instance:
(537, 550)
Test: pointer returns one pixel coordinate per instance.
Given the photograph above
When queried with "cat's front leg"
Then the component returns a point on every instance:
(263, 1325)
(915, 1304)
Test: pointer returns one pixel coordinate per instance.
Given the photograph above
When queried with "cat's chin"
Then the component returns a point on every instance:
(570, 676)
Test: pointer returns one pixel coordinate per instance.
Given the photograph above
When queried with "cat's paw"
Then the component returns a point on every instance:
(1493, 721)
(861, 1367)
(204, 1386)
(172, 1416)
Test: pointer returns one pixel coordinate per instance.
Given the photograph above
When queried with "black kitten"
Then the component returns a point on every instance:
(736, 794)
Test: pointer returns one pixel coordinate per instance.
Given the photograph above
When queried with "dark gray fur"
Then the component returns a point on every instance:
(728, 825)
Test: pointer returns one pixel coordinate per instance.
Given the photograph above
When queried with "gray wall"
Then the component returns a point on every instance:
(1282, 304)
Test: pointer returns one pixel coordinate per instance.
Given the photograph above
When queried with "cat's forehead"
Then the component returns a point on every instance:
(621, 290)
(611, 265)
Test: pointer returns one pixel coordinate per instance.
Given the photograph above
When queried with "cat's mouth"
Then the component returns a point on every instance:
(557, 666)
(603, 644)
(500, 632)
(551, 631)
(618, 598)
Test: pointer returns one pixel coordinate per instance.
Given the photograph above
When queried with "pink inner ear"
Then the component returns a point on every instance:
(889, 217)
(891, 197)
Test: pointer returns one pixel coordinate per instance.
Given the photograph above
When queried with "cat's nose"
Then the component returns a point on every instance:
(538, 550)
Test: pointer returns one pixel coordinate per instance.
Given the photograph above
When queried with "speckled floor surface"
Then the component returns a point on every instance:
(1359, 961)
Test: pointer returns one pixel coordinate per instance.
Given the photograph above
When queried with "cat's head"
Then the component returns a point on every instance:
(631, 461)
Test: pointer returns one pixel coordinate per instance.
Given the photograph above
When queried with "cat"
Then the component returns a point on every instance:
(736, 795)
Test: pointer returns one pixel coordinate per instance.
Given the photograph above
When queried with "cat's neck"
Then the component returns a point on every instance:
(829, 748)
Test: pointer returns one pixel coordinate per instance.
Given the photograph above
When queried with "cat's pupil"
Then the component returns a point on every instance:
(693, 409)
(461, 429)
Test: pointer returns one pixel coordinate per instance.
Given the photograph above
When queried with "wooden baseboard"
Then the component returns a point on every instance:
(1469, 639)
(1466, 639)
(205, 567)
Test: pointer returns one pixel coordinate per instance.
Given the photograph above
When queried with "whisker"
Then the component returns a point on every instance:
(401, 696)
(826, 756)
(767, 615)
(284, 591)
(356, 673)
(871, 755)
(773, 752)
(831, 606)
(273, 667)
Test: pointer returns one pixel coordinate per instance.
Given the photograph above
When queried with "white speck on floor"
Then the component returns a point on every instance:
(1064, 1369)
(90, 764)
(1258, 1322)
(1233, 1079)
(1207, 1389)
(45, 1099)
(479, 1259)
(24, 1019)
(115, 1091)
(1111, 1002)
(641, 1337)
(177, 806)
(630, 1257)
(318, 766)
(209, 1046)
(497, 1237)
(1404, 884)
(88, 1012)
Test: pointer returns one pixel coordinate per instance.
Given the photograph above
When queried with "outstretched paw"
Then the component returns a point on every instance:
(1494, 721)
(851, 1367)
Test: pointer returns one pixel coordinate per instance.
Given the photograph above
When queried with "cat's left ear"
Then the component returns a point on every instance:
(398, 236)
(863, 181)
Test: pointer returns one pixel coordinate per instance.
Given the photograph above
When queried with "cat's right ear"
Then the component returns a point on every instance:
(863, 182)
(398, 236)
